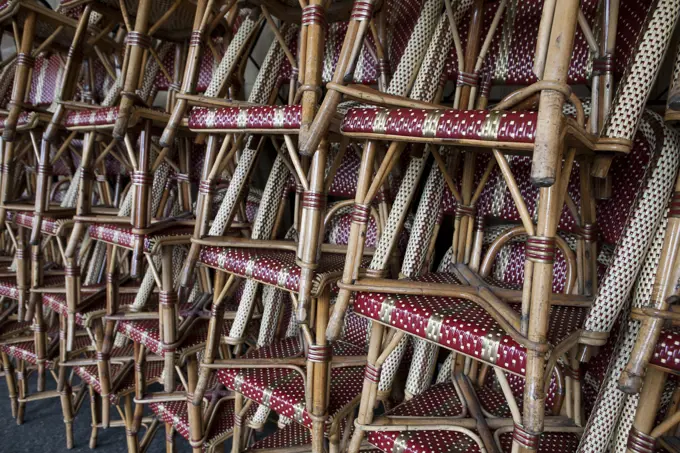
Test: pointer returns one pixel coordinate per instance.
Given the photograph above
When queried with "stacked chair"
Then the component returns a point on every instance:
(314, 226)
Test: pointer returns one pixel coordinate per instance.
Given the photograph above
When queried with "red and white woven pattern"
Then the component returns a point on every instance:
(90, 374)
(283, 390)
(549, 442)
(285, 117)
(461, 325)
(94, 117)
(485, 125)
(57, 303)
(124, 237)
(49, 225)
(148, 334)
(271, 267)
(667, 351)
(12, 328)
(176, 413)
(26, 350)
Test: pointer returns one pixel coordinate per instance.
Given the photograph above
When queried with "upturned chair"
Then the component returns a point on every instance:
(216, 117)
(653, 356)
(512, 132)
(35, 221)
(166, 334)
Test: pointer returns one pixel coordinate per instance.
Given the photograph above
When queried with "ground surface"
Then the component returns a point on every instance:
(43, 429)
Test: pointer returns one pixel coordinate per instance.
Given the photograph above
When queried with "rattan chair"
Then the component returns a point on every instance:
(510, 132)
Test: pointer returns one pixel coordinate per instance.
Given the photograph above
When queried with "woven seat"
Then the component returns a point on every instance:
(272, 267)
(148, 334)
(106, 117)
(49, 225)
(549, 442)
(268, 117)
(484, 125)
(26, 120)
(26, 351)
(126, 385)
(12, 328)
(462, 325)
(8, 285)
(175, 413)
(423, 441)
(57, 303)
(667, 350)
(292, 435)
(283, 389)
(124, 236)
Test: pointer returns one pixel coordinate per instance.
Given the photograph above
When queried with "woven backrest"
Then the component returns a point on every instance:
(511, 56)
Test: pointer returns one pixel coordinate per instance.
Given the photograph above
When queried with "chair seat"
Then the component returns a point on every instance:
(8, 285)
(494, 402)
(26, 120)
(461, 325)
(447, 124)
(176, 413)
(667, 350)
(123, 236)
(283, 390)
(266, 117)
(126, 385)
(147, 332)
(273, 267)
(105, 118)
(291, 435)
(57, 303)
(550, 442)
(26, 350)
(12, 328)
(49, 225)
(423, 441)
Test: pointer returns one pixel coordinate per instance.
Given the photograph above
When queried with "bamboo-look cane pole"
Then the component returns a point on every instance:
(311, 229)
(549, 122)
(321, 374)
(194, 411)
(131, 436)
(134, 56)
(41, 192)
(648, 406)
(356, 233)
(169, 315)
(588, 219)
(68, 85)
(22, 78)
(39, 327)
(609, 29)
(141, 214)
(22, 272)
(312, 135)
(64, 389)
(193, 64)
(664, 286)
(10, 380)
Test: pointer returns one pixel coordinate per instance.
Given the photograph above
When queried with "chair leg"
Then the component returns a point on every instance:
(169, 438)
(149, 435)
(95, 416)
(23, 391)
(236, 437)
(10, 379)
(195, 411)
(64, 389)
(650, 400)
(369, 392)
(131, 434)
